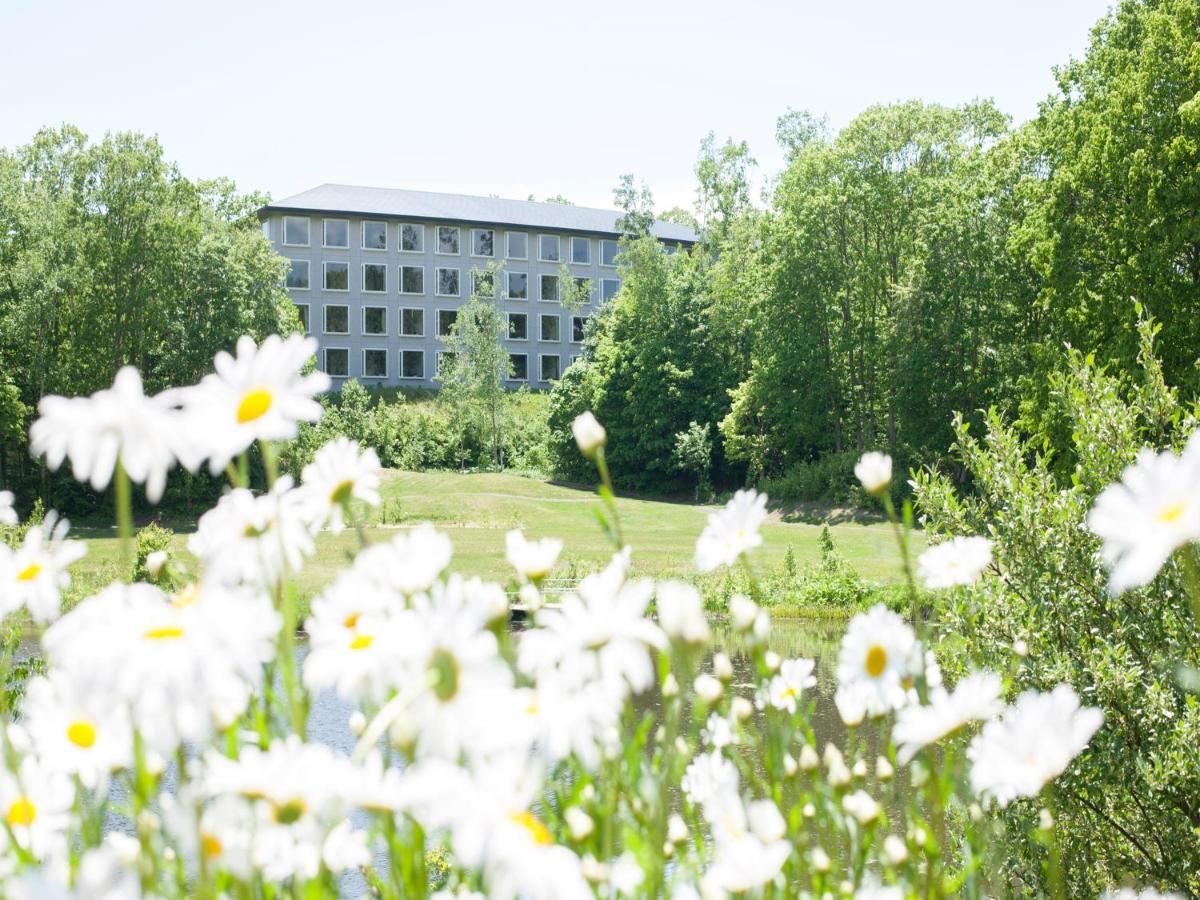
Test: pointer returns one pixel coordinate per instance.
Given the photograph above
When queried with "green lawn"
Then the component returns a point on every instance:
(476, 510)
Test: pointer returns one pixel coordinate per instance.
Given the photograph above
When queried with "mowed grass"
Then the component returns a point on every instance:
(477, 509)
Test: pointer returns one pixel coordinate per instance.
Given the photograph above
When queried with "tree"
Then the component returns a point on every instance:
(693, 454)
(723, 192)
(637, 207)
(797, 128)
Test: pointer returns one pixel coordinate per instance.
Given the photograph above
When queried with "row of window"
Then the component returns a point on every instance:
(336, 362)
(335, 276)
(336, 320)
(335, 234)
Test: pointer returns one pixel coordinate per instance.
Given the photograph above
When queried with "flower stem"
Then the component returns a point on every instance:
(123, 497)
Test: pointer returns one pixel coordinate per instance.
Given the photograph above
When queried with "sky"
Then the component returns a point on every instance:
(507, 98)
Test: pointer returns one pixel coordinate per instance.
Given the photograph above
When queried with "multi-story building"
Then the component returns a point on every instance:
(378, 275)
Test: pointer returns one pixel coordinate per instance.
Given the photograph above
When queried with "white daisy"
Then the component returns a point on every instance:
(107, 872)
(719, 732)
(750, 847)
(36, 804)
(409, 562)
(875, 658)
(558, 719)
(532, 560)
(975, 698)
(1032, 743)
(708, 778)
(874, 472)
(681, 612)
(339, 473)
(786, 688)
(35, 573)
(589, 434)
(257, 395)
(731, 531)
(218, 833)
(1152, 511)
(958, 561)
(8, 515)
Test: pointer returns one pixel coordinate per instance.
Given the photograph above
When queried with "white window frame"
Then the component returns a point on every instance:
(508, 293)
(437, 283)
(508, 326)
(541, 334)
(616, 249)
(475, 231)
(400, 359)
(284, 240)
(587, 242)
(571, 333)
(438, 322)
(474, 273)
(557, 288)
(558, 238)
(308, 315)
(325, 318)
(400, 281)
(514, 377)
(362, 325)
(307, 262)
(362, 359)
(400, 320)
(363, 272)
(326, 246)
(604, 281)
(325, 264)
(400, 236)
(557, 356)
(508, 254)
(573, 359)
(362, 235)
(437, 241)
(325, 362)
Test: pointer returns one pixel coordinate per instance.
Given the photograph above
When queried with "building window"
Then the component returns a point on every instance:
(583, 290)
(412, 363)
(518, 285)
(337, 320)
(518, 327)
(578, 323)
(608, 253)
(337, 276)
(447, 240)
(374, 320)
(295, 231)
(548, 287)
(412, 238)
(446, 320)
(302, 310)
(518, 245)
(337, 362)
(549, 328)
(442, 360)
(297, 276)
(483, 242)
(412, 279)
(574, 359)
(447, 283)
(337, 233)
(483, 283)
(374, 363)
(412, 322)
(374, 235)
(374, 278)
(550, 367)
(581, 251)
(609, 288)
(519, 364)
(548, 249)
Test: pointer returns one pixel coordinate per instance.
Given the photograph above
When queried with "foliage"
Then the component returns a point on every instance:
(152, 538)
(693, 453)
(827, 479)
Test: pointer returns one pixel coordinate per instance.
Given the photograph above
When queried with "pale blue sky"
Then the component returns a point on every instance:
(507, 98)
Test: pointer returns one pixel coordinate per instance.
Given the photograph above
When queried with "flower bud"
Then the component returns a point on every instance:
(789, 765)
(895, 849)
(808, 758)
(590, 435)
(722, 667)
(579, 823)
(860, 769)
(809, 810)
(772, 661)
(530, 597)
(741, 708)
(862, 806)
(707, 688)
(588, 794)
(835, 765)
(358, 723)
(670, 686)
(976, 812)
(874, 472)
(1020, 648)
(155, 563)
(883, 769)
(820, 860)
(677, 830)
(742, 612)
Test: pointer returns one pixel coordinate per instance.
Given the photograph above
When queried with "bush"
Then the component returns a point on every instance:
(151, 539)
(829, 479)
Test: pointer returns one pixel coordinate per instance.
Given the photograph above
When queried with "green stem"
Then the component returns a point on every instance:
(270, 462)
(1190, 560)
(123, 496)
(609, 498)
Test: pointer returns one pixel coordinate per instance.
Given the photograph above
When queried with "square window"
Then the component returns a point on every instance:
(374, 235)
(337, 362)
(574, 359)
(518, 326)
(297, 276)
(518, 245)
(337, 320)
(519, 365)
(337, 276)
(446, 320)
(412, 279)
(412, 238)
(548, 249)
(578, 324)
(337, 233)
(548, 287)
(609, 288)
(550, 368)
(447, 282)
(412, 363)
(581, 251)
(374, 363)
(302, 309)
(518, 285)
(608, 253)
(375, 278)
(483, 242)
(412, 322)
(447, 239)
(374, 320)
(483, 283)
(583, 290)
(295, 231)
(549, 328)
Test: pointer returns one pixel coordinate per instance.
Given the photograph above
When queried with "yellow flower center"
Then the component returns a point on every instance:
(1170, 513)
(29, 573)
(186, 597)
(876, 661)
(22, 812)
(82, 734)
(361, 642)
(443, 670)
(340, 495)
(351, 620)
(531, 823)
(288, 813)
(166, 633)
(254, 405)
(211, 845)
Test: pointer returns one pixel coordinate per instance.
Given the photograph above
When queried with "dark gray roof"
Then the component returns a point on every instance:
(427, 206)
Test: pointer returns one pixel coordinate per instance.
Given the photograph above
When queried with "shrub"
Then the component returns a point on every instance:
(151, 539)
(829, 479)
